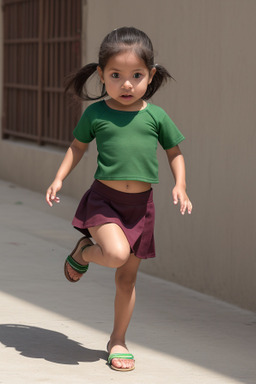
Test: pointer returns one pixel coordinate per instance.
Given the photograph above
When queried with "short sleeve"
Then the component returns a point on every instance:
(168, 134)
(84, 130)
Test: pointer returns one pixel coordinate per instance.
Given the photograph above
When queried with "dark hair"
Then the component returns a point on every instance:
(115, 42)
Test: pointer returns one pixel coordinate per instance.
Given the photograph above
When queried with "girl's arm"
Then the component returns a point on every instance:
(73, 156)
(177, 164)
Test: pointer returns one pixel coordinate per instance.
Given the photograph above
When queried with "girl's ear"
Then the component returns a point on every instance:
(151, 75)
(100, 72)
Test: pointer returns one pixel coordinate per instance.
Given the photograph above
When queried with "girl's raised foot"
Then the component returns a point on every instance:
(75, 266)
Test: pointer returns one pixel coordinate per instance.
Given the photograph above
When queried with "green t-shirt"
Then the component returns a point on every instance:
(127, 141)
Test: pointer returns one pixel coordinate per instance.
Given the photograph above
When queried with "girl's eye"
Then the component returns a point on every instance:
(137, 75)
(115, 75)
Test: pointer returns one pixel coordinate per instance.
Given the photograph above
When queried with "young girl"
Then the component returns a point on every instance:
(118, 210)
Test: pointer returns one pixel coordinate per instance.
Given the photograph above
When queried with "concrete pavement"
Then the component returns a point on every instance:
(52, 331)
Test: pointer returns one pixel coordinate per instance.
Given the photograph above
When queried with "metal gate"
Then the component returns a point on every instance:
(42, 44)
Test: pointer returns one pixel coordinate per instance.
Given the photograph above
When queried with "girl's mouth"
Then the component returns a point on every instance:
(127, 97)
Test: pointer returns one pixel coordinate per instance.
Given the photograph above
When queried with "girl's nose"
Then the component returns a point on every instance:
(127, 85)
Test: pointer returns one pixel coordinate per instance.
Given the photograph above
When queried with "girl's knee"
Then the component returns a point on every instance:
(124, 282)
(117, 255)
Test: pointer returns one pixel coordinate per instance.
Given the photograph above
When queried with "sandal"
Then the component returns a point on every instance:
(123, 356)
(74, 264)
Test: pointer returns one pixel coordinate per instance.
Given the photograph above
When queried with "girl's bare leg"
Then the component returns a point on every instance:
(124, 305)
(111, 249)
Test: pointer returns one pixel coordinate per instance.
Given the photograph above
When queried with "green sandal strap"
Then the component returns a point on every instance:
(123, 356)
(76, 266)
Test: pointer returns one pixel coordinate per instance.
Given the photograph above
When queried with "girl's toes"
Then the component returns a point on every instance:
(117, 363)
(130, 364)
(73, 274)
(122, 363)
(127, 364)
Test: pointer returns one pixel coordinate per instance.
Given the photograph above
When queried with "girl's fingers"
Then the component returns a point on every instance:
(51, 196)
(52, 191)
(187, 205)
(182, 198)
(175, 198)
(183, 206)
(190, 207)
(48, 199)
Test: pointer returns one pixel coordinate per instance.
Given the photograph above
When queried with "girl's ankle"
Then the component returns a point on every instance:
(117, 340)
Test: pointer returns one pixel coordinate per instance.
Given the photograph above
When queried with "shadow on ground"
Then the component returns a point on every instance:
(40, 343)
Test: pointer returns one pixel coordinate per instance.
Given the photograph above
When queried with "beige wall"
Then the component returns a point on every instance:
(209, 48)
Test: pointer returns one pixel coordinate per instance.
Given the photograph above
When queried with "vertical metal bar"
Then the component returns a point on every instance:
(40, 70)
(61, 70)
(45, 74)
(69, 8)
(50, 44)
(56, 67)
(56, 18)
(5, 95)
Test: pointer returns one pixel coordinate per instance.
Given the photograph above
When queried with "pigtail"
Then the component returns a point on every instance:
(77, 82)
(161, 76)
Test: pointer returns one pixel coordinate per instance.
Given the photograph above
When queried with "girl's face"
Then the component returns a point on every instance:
(126, 79)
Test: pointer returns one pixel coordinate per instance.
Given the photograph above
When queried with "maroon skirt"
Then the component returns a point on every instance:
(133, 212)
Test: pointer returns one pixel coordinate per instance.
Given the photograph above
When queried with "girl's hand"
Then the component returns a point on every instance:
(71, 159)
(51, 192)
(179, 195)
